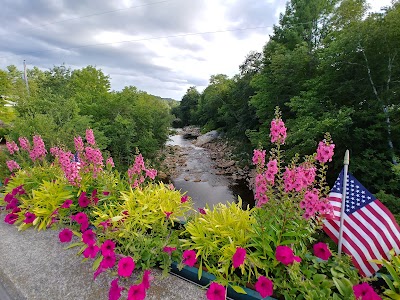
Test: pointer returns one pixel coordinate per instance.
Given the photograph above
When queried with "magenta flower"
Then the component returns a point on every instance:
(325, 152)
(108, 260)
(80, 218)
(83, 200)
(202, 211)
(91, 251)
(12, 165)
(98, 272)
(285, 255)
(12, 204)
(189, 257)
(105, 224)
(65, 235)
(238, 257)
(107, 247)
(146, 279)
(78, 143)
(364, 291)
(29, 217)
(11, 218)
(39, 151)
(105, 193)
(168, 214)
(24, 143)
(264, 286)
(216, 292)
(126, 266)
(19, 190)
(137, 292)
(89, 237)
(67, 203)
(115, 290)
(184, 199)
(110, 162)
(169, 250)
(322, 251)
(8, 197)
(278, 131)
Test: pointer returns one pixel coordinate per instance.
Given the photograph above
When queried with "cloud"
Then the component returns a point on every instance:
(152, 44)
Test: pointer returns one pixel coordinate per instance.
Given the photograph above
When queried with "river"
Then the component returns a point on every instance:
(199, 179)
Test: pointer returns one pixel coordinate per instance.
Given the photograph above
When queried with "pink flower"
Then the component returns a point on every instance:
(264, 286)
(39, 151)
(107, 247)
(11, 218)
(83, 200)
(29, 217)
(12, 165)
(238, 257)
(105, 224)
(90, 137)
(146, 279)
(216, 292)
(12, 147)
(259, 157)
(322, 251)
(169, 250)
(184, 199)
(24, 143)
(108, 260)
(168, 214)
(89, 237)
(285, 255)
(67, 203)
(189, 257)
(78, 143)
(65, 235)
(115, 290)
(325, 152)
(105, 193)
(19, 190)
(202, 211)
(8, 198)
(91, 251)
(278, 131)
(364, 291)
(12, 204)
(137, 292)
(126, 266)
(110, 162)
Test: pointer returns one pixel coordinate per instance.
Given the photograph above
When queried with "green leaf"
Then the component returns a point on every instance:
(97, 262)
(238, 289)
(73, 245)
(116, 218)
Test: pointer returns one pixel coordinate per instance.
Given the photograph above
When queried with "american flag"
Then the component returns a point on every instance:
(369, 229)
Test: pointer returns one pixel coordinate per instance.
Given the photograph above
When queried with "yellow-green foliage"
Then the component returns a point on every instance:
(44, 202)
(140, 225)
(216, 235)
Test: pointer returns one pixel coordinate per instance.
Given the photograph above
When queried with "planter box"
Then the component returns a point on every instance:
(190, 273)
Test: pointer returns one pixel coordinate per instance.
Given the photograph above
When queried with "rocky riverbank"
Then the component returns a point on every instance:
(174, 158)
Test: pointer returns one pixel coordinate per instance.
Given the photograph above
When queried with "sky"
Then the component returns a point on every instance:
(162, 47)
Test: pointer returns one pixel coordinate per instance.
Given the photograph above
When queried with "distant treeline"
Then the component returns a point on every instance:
(62, 103)
(330, 68)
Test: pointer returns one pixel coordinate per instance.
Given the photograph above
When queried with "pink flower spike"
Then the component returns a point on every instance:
(169, 250)
(322, 251)
(168, 214)
(65, 235)
(115, 290)
(189, 257)
(67, 203)
(29, 217)
(216, 292)
(147, 278)
(364, 291)
(90, 137)
(137, 292)
(184, 199)
(107, 247)
(264, 286)
(202, 211)
(126, 266)
(239, 257)
(11, 218)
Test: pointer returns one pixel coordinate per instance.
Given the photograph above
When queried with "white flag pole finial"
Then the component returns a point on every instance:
(346, 163)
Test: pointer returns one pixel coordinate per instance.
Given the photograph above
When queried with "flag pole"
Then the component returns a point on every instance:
(346, 162)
